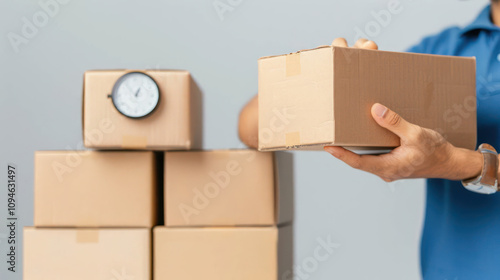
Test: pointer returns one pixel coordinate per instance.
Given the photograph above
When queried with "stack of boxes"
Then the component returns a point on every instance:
(96, 222)
(216, 214)
(222, 215)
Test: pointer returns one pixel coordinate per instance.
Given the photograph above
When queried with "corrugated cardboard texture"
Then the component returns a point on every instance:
(61, 254)
(226, 188)
(175, 124)
(329, 101)
(94, 189)
(222, 253)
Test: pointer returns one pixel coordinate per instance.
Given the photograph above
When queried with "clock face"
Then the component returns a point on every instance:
(135, 95)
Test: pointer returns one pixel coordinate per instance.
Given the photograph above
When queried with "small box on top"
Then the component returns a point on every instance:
(135, 109)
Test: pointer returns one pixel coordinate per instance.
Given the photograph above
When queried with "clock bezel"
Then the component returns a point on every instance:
(115, 89)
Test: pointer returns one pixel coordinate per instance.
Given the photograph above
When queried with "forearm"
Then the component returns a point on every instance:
(248, 126)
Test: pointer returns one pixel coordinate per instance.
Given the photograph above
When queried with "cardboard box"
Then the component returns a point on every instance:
(83, 254)
(264, 253)
(95, 189)
(323, 97)
(228, 188)
(174, 125)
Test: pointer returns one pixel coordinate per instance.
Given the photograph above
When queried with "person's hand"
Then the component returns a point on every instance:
(423, 153)
(361, 44)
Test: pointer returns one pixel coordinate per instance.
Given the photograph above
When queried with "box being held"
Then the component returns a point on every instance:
(228, 188)
(323, 96)
(135, 109)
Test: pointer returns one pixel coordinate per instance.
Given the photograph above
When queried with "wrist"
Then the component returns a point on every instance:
(498, 171)
(464, 164)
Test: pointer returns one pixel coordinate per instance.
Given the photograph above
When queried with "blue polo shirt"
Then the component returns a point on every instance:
(461, 236)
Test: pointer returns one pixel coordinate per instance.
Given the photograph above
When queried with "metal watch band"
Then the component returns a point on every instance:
(487, 181)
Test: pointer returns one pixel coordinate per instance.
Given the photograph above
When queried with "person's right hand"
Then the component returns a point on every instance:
(361, 43)
(423, 153)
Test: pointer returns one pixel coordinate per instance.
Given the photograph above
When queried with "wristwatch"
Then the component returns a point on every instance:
(487, 181)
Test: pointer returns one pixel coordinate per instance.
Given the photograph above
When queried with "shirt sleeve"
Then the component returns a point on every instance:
(441, 43)
(420, 47)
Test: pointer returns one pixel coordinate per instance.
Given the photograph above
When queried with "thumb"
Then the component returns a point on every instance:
(389, 119)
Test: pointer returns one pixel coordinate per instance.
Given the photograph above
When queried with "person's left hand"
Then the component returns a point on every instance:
(423, 153)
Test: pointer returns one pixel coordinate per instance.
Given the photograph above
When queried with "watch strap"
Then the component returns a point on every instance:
(487, 181)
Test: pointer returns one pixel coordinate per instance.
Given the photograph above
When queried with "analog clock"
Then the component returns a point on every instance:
(135, 95)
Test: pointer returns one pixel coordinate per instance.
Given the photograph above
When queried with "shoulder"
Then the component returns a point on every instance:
(443, 42)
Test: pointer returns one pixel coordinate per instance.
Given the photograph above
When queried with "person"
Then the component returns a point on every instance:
(461, 235)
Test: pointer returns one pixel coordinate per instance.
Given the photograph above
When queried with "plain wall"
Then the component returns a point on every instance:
(375, 226)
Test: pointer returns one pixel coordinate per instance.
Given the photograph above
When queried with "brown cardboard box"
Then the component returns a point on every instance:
(228, 188)
(242, 253)
(95, 189)
(83, 254)
(323, 97)
(174, 125)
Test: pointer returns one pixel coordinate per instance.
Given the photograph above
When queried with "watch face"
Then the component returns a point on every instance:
(135, 95)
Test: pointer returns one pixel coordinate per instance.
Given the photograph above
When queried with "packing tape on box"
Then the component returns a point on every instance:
(89, 219)
(292, 139)
(133, 141)
(292, 64)
(87, 236)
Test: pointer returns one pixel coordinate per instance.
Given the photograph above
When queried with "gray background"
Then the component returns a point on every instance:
(376, 225)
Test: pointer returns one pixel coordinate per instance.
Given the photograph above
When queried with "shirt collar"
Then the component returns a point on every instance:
(482, 22)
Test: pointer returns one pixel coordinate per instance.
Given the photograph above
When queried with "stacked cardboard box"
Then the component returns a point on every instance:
(95, 210)
(228, 215)
(225, 214)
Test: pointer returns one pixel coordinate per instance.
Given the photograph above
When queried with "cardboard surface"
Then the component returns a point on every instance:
(174, 125)
(263, 253)
(323, 97)
(83, 254)
(228, 188)
(94, 189)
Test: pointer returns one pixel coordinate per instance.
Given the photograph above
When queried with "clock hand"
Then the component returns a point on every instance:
(129, 88)
(137, 92)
